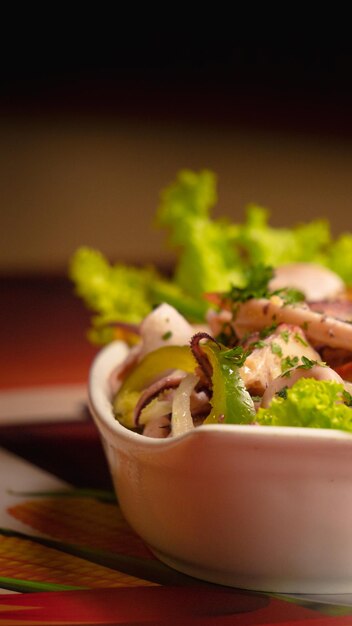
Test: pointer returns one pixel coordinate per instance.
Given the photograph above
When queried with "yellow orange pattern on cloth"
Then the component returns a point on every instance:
(81, 521)
(27, 560)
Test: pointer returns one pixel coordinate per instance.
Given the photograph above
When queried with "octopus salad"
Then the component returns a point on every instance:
(277, 351)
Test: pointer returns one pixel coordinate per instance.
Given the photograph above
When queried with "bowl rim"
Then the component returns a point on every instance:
(99, 399)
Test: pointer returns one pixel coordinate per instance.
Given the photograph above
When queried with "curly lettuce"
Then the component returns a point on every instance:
(277, 246)
(121, 293)
(207, 258)
(340, 257)
(113, 292)
(213, 255)
(310, 403)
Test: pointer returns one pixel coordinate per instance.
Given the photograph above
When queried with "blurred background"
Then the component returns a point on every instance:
(89, 135)
(91, 131)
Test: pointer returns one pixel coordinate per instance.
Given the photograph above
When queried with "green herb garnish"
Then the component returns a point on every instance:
(285, 335)
(289, 296)
(282, 393)
(307, 364)
(276, 349)
(347, 398)
(257, 280)
(288, 363)
(237, 355)
(257, 344)
(300, 339)
(268, 330)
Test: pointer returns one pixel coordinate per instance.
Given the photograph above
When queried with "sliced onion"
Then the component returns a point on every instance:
(154, 390)
(181, 419)
(155, 409)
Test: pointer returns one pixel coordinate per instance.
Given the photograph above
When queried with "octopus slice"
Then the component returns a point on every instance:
(164, 327)
(315, 281)
(264, 364)
(341, 309)
(320, 329)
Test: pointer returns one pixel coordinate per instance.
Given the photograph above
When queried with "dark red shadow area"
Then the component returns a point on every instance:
(43, 329)
(70, 450)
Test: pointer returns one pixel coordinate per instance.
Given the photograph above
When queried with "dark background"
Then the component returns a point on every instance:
(95, 120)
(296, 86)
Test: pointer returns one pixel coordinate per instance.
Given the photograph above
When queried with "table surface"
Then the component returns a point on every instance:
(66, 554)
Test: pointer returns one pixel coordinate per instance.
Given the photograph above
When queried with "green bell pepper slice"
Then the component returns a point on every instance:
(231, 403)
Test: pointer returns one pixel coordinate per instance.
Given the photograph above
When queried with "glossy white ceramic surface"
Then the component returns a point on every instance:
(254, 507)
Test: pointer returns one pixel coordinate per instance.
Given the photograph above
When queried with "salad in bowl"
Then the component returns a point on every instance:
(264, 358)
(225, 407)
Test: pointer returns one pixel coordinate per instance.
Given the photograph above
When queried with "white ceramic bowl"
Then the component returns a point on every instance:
(254, 507)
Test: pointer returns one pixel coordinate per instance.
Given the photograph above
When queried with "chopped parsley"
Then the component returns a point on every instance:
(289, 296)
(282, 393)
(276, 349)
(237, 355)
(288, 363)
(285, 335)
(307, 364)
(257, 344)
(347, 398)
(167, 335)
(258, 278)
(268, 330)
(300, 339)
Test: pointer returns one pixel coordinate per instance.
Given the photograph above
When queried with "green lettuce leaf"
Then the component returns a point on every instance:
(116, 292)
(340, 257)
(207, 258)
(277, 246)
(121, 293)
(214, 254)
(309, 403)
